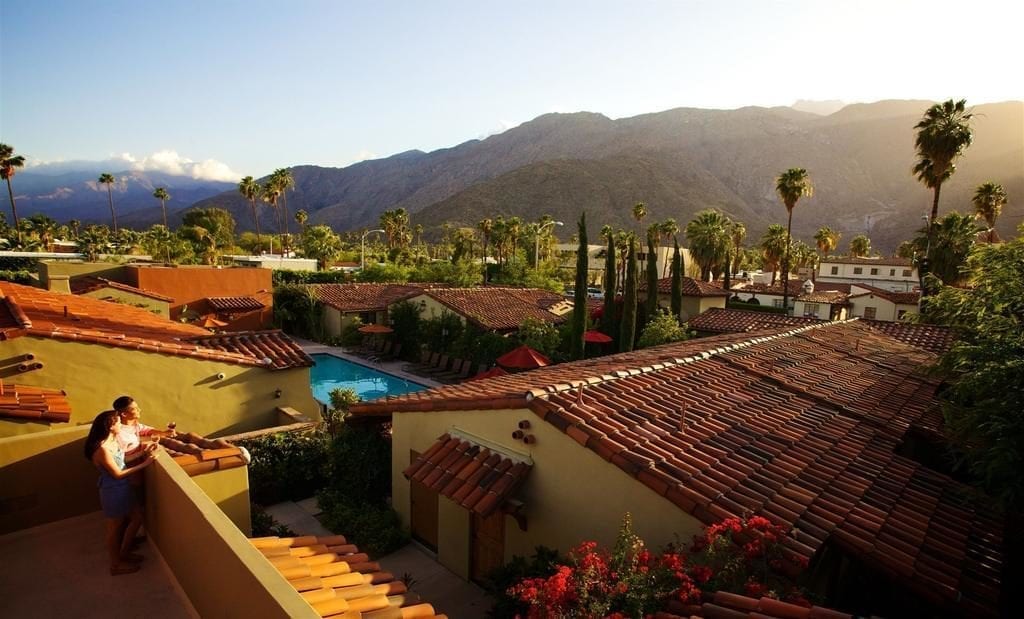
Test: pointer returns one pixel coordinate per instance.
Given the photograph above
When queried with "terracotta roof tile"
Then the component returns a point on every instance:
(502, 309)
(197, 455)
(338, 580)
(25, 310)
(33, 403)
(724, 605)
(832, 297)
(473, 476)
(274, 346)
(933, 338)
(235, 304)
(801, 426)
(365, 297)
(721, 320)
(903, 298)
(796, 288)
(89, 283)
(691, 287)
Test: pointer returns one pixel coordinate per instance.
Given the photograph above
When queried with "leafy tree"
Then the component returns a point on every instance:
(737, 234)
(93, 241)
(628, 328)
(108, 180)
(860, 246)
(9, 164)
(943, 133)
(541, 336)
(989, 200)
(250, 190)
(405, 320)
(773, 248)
(282, 180)
(986, 365)
(661, 329)
(321, 244)
(159, 239)
(651, 303)
(161, 194)
(297, 311)
(709, 239)
(791, 185)
(461, 274)
(486, 227)
(383, 272)
(610, 285)
(953, 238)
(210, 229)
(579, 312)
(677, 280)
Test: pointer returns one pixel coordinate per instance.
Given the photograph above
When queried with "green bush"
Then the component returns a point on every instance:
(376, 529)
(662, 329)
(383, 272)
(286, 466)
(350, 335)
(18, 277)
(359, 464)
(405, 320)
(264, 525)
(285, 277)
(440, 333)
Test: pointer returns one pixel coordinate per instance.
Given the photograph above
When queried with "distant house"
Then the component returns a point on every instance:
(766, 294)
(877, 303)
(497, 309)
(895, 274)
(805, 425)
(368, 302)
(825, 300)
(270, 261)
(698, 296)
(95, 350)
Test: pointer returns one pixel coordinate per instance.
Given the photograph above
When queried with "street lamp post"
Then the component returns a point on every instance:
(536, 247)
(362, 248)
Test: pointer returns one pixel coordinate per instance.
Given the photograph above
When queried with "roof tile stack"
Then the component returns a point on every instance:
(721, 320)
(724, 605)
(234, 304)
(197, 455)
(691, 287)
(899, 298)
(339, 581)
(33, 403)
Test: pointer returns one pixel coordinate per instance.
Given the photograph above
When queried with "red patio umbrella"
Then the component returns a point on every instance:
(491, 373)
(596, 337)
(375, 329)
(523, 358)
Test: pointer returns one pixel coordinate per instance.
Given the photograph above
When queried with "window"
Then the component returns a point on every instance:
(777, 303)
(857, 270)
(874, 271)
(835, 270)
(900, 314)
(810, 309)
(906, 272)
(892, 272)
(869, 312)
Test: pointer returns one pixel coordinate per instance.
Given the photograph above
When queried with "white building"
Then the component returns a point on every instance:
(894, 274)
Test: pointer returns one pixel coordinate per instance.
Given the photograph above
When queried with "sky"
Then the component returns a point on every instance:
(221, 89)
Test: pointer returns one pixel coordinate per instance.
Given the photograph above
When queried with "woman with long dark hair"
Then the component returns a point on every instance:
(116, 495)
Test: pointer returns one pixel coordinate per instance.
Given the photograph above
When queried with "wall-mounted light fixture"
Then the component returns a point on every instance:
(278, 393)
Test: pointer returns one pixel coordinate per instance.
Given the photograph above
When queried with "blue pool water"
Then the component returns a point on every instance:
(331, 373)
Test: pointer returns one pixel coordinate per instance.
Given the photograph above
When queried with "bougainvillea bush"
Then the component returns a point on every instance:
(737, 555)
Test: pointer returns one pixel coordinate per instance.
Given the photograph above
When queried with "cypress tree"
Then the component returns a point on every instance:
(579, 310)
(628, 332)
(651, 306)
(610, 285)
(677, 281)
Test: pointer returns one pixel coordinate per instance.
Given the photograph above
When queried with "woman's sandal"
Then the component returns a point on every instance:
(123, 569)
(131, 557)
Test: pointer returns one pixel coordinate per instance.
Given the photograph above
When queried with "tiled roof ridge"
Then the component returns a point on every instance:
(627, 373)
(134, 289)
(16, 311)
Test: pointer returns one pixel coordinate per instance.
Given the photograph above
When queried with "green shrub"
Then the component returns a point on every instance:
(376, 529)
(285, 277)
(662, 329)
(286, 466)
(264, 525)
(405, 320)
(18, 277)
(359, 464)
(440, 333)
(350, 335)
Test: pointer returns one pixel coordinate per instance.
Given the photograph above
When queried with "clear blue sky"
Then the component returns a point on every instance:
(258, 85)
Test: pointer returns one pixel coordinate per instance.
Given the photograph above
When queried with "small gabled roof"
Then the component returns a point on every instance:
(235, 304)
(912, 297)
(502, 309)
(367, 297)
(90, 283)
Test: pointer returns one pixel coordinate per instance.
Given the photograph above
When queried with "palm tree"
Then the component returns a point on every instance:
(860, 246)
(108, 180)
(827, 240)
(74, 225)
(951, 240)
(301, 217)
(737, 234)
(989, 200)
(271, 194)
(943, 133)
(708, 237)
(668, 230)
(162, 195)
(639, 212)
(283, 180)
(486, 227)
(250, 190)
(9, 163)
(791, 185)
(773, 248)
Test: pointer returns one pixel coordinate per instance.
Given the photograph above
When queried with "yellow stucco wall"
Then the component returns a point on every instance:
(692, 306)
(219, 570)
(571, 495)
(229, 489)
(160, 308)
(45, 477)
(168, 388)
(73, 268)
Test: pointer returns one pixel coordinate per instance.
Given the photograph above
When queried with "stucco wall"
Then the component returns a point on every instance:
(160, 308)
(570, 495)
(189, 285)
(884, 309)
(229, 489)
(168, 388)
(431, 308)
(107, 270)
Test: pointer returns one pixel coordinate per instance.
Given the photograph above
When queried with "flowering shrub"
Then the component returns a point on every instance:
(737, 555)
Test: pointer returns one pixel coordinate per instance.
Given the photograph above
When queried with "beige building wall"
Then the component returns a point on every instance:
(76, 268)
(563, 502)
(884, 309)
(169, 388)
(823, 312)
(229, 489)
(336, 321)
(692, 306)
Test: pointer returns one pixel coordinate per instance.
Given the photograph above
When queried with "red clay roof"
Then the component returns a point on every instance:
(801, 426)
(281, 351)
(234, 304)
(725, 605)
(88, 283)
(472, 476)
(722, 320)
(197, 455)
(500, 309)
(904, 298)
(932, 338)
(832, 297)
(796, 288)
(691, 287)
(25, 310)
(338, 580)
(876, 261)
(33, 403)
(365, 297)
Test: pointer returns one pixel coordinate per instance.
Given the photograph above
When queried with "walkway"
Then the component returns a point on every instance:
(448, 593)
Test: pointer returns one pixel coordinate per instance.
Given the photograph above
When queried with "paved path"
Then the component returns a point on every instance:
(448, 593)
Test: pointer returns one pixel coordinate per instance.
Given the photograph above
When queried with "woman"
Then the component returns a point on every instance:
(116, 495)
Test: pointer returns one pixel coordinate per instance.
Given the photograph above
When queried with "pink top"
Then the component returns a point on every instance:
(128, 437)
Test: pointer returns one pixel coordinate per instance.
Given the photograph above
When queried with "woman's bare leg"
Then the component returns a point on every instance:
(134, 522)
(114, 541)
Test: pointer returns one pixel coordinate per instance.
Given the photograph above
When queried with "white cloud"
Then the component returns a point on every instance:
(166, 161)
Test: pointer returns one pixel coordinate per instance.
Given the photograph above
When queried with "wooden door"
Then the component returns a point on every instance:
(423, 510)
(488, 545)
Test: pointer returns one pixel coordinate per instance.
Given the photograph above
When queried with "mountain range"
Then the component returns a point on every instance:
(678, 162)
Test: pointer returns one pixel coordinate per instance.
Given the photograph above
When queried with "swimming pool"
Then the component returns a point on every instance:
(332, 373)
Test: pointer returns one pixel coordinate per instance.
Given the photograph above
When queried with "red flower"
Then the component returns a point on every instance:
(702, 573)
(754, 589)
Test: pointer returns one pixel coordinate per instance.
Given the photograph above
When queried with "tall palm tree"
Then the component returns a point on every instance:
(773, 248)
(283, 180)
(709, 241)
(108, 180)
(486, 227)
(943, 133)
(827, 240)
(250, 190)
(271, 194)
(668, 229)
(301, 217)
(950, 243)
(639, 212)
(162, 195)
(737, 234)
(791, 185)
(9, 163)
(860, 246)
(989, 200)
